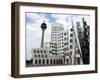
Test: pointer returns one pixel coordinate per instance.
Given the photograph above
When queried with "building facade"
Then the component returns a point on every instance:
(66, 47)
(44, 56)
(84, 41)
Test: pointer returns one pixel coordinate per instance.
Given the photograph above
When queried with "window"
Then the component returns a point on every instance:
(43, 61)
(38, 56)
(42, 56)
(51, 61)
(45, 56)
(78, 60)
(37, 51)
(67, 61)
(41, 51)
(35, 61)
(71, 35)
(34, 51)
(71, 40)
(50, 52)
(71, 53)
(67, 54)
(65, 43)
(71, 29)
(71, 47)
(75, 40)
(35, 56)
(44, 51)
(67, 48)
(39, 61)
(64, 38)
(65, 34)
(47, 61)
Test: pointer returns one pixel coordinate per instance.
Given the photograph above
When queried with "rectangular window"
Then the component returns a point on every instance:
(65, 34)
(71, 40)
(37, 51)
(78, 60)
(71, 35)
(65, 43)
(71, 29)
(71, 46)
(64, 38)
(67, 61)
(44, 51)
(34, 51)
(67, 48)
(41, 51)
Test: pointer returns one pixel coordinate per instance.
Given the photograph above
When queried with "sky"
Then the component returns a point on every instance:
(33, 31)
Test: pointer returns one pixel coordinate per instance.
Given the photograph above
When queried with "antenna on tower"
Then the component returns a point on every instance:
(43, 21)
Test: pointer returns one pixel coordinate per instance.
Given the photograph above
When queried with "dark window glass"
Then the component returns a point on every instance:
(71, 47)
(38, 56)
(71, 35)
(71, 29)
(42, 56)
(43, 61)
(41, 51)
(75, 40)
(39, 61)
(71, 40)
(50, 52)
(78, 60)
(34, 51)
(67, 48)
(44, 51)
(67, 61)
(35, 61)
(37, 51)
(35, 56)
(71, 53)
(64, 33)
(45, 56)
(65, 43)
(64, 38)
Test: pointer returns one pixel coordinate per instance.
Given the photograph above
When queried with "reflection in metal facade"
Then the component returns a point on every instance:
(84, 41)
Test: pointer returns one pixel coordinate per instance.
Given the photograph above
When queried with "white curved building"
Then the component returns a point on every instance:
(55, 29)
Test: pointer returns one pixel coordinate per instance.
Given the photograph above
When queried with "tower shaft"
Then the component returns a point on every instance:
(42, 39)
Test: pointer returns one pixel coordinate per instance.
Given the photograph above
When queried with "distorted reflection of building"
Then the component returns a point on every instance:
(67, 47)
(84, 41)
